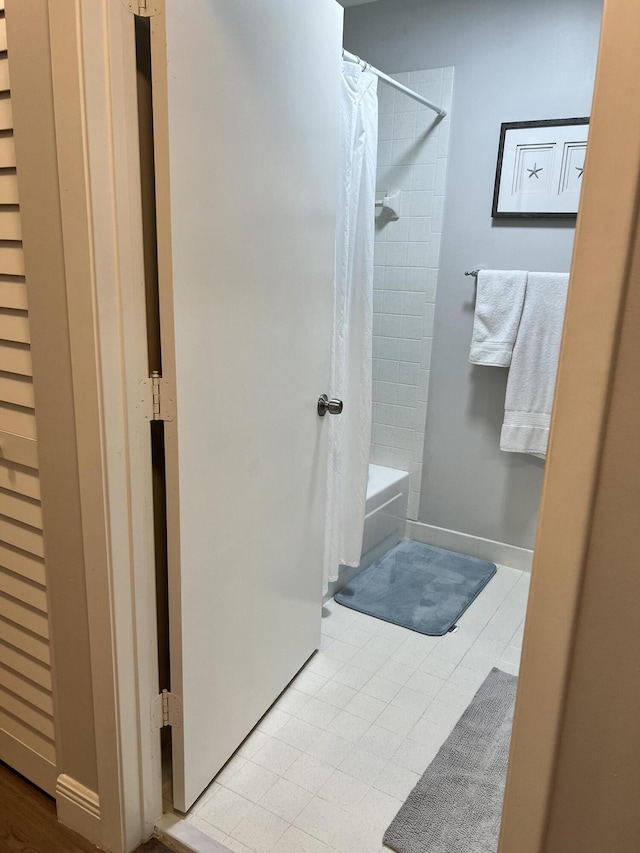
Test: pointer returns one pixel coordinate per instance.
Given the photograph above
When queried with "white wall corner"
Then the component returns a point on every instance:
(78, 808)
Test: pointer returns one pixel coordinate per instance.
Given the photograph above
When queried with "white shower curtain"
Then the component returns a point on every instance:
(351, 367)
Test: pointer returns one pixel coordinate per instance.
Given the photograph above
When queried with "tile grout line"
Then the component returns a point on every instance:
(405, 710)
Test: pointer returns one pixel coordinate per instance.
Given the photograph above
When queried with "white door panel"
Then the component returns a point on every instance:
(246, 104)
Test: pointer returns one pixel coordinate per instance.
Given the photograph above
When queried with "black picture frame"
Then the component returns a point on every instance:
(505, 127)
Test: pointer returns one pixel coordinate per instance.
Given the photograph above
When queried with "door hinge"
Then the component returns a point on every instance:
(142, 8)
(157, 398)
(166, 710)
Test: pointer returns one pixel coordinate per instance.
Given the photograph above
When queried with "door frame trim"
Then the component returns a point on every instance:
(53, 454)
(608, 216)
(95, 101)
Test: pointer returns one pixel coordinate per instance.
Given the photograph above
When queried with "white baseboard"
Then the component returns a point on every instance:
(473, 546)
(78, 808)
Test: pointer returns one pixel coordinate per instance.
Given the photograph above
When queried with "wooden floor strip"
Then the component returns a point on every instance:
(28, 822)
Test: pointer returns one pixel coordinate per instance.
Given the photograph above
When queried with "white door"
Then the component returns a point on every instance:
(247, 117)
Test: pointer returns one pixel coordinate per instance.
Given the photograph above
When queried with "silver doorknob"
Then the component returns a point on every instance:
(334, 407)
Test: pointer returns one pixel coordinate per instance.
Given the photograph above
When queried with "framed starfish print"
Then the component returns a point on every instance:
(540, 166)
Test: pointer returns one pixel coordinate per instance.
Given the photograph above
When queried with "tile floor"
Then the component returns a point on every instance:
(328, 767)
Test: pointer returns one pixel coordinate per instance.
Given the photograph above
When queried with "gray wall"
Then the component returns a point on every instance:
(514, 61)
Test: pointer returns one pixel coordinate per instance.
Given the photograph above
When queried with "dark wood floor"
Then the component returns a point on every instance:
(28, 822)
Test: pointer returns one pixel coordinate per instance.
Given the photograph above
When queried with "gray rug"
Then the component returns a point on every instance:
(418, 586)
(457, 804)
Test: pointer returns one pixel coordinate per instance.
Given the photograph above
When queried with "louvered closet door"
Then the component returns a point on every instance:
(26, 709)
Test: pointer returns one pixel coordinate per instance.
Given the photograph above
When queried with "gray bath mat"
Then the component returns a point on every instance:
(457, 804)
(419, 587)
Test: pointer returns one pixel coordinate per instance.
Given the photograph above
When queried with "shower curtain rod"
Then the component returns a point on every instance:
(351, 57)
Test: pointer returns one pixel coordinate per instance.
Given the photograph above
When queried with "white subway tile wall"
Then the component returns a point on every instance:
(412, 157)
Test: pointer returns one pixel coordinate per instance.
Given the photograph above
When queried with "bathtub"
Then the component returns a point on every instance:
(384, 522)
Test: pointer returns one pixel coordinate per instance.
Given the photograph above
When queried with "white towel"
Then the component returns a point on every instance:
(499, 300)
(532, 376)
